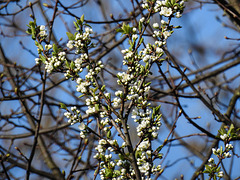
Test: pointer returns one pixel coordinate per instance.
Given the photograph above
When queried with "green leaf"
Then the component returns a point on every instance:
(70, 36)
(147, 65)
(95, 89)
(97, 107)
(108, 173)
(33, 31)
(103, 88)
(158, 107)
(32, 23)
(124, 27)
(140, 26)
(81, 96)
(121, 157)
(231, 129)
(141, 40)
(117, 173)
(222, 131)
(67, 64)
(153, 113)
(178, 27)
(39, 45)
(148, 21)
(160, 155)
(221, 150)
(138, 154)
(82, 18)
(76, 26)
(159, 148)
(119, 30)
(130, 43)
(43, 59)
(62, 106)
(208, 169)
(109, 133)
(55, 49)
(36, 43)
(72, 65)
(29, 31)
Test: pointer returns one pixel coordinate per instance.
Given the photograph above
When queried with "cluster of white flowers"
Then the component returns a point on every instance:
(116, 102)
(165, 11)
(81, 40)
(94, 70)
(77, 66)
(73, 117)
(144, 145)
(55, 62)
(91, 110)
(83, 130)
(163, 35)
(144, 166)
(224, 154)
(211, 164)
(165, 8)
(124, 78)
(221, 154)
(152, 53)
(82, 86)
(128, 54)
(224, 137)
(43, 32)
(104, 150)
(220, 174)
(145, 123)
(104, 123)
(134, 37)
(91, 102)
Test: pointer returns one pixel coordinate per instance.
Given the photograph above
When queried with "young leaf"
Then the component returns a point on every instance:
(55, 49)
(62, 106)
(109, 133)
(70, 36)
(140, 26)
(67, 64)
(72, 65)
(82, 18)
(43, 59)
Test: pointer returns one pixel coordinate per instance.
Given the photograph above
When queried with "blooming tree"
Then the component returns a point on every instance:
(111, 116)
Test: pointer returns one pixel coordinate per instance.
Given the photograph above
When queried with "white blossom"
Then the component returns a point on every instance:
(156, 25)
(165, 11)
(82, 126)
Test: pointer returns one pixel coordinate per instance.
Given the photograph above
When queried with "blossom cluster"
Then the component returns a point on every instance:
(81, 40)
(43, 32)
(55, 61)
(144, 155)
(104, 149)
(74, 116)
(212, 168)
(223, 154)
(166, 8)
(146, 124)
